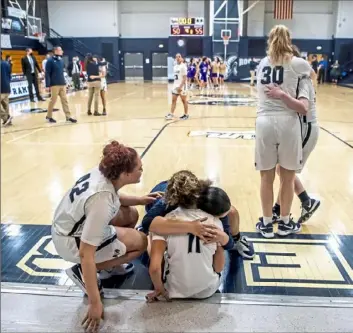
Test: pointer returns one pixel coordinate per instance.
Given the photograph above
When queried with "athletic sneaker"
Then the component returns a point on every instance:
(265, 230)
(7, 122)
(244, 248)
(118, 270)
(76, 275)
(71, 120)
(50, 120)
(289, 228)
(184, 117)
(309, 210)
(169, 116)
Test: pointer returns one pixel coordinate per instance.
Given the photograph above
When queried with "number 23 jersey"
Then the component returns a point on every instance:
(286, 76)
(71, 215)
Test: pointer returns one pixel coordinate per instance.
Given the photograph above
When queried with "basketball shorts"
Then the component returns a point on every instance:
(204, 77)
(310, 135)
(278, 141)
(209, 291)
(110, 247)
(214, 75)
(221, 76)
(104, 86)
(176, 92)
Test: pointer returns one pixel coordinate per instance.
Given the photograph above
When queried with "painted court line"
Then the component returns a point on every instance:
(24, 135)
(125, 95)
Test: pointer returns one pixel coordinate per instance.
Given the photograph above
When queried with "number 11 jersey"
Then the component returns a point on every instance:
(286, 76)
(70, 215)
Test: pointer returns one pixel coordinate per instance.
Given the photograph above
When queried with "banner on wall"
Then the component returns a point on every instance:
(6, 41)
(19, 87)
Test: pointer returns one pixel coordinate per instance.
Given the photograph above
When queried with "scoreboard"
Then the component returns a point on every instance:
(187, 26)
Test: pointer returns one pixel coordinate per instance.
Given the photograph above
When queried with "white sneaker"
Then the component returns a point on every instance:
(169, 116)
(124, 269)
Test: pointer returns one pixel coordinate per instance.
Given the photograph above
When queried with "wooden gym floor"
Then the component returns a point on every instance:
(41, 161)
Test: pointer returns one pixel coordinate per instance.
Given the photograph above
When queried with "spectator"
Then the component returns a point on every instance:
(253, 65)
(93, 84)
(9, 60)
(54, 78)
(335, 72)
(29, 66)
(74, 70)
(5, 92)
(322, 70)
(314, 63)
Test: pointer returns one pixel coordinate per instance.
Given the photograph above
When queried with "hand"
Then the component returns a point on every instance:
(217, 236)
(92, 319)
(153, 296)
(151, 197)
(204, 231)
(274, 91)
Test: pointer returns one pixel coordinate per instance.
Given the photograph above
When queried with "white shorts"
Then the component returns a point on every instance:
(182, 93)
(310, 135)
(209, 291)
(104, 86)
(110, 248)
(278, 141)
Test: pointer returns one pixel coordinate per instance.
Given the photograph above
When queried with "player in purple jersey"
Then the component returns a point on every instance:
(191, 72)
(203, 72)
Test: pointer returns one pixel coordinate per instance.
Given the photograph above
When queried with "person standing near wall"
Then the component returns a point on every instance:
(314, 63)
(54, 78)
(5, 92)
(29, 66)
(74, 70)
(322, 70)
(93, 83)
(104, 86)
(9, 60)
(253, 65)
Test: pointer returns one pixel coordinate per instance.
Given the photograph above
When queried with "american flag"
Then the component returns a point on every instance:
(283, 9)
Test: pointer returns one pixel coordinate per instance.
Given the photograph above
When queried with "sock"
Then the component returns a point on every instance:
(304, 198)
(276, 208)
(267, 220)
(236, 237)
(285, 219)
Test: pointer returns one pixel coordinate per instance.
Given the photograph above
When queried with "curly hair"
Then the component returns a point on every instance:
(117, 159)
(184, 189)
(279, 44)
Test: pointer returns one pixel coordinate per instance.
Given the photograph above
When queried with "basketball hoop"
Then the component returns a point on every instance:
(41, 37)
(226, 40)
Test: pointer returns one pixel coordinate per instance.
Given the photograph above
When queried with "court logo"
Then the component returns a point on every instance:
(225, 100)
(245, 135)
(43, 260)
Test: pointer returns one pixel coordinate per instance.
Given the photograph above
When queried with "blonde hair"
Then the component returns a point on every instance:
(279, 45)
(184, 189)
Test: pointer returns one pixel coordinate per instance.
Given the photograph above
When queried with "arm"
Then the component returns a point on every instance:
(23, 66)
(157, 251)
(164, 226)
(128, 200)
(36, 64)
(218, 260)
(301, 106)
(183, 81)
(226, 227)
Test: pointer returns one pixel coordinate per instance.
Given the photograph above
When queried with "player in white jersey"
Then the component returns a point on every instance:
(310, 135)
(278, 131)
(192, 266)
(104, 86)
(179, 88)
(89, 224)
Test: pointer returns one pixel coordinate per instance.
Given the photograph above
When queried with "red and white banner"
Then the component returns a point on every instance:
(283, 9)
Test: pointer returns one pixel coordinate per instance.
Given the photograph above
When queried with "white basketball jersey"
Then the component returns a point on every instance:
(180, 71)
(307, 90)
(286, 76)
(189, 261)
(69, 216)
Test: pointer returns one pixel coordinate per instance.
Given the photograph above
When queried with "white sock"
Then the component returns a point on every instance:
(285, 219)
(267, 220)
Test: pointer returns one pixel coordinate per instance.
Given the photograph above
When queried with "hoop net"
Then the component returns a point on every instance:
(42, 37)
(225, 40)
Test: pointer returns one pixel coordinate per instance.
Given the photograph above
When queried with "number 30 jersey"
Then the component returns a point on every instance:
(286, 76)
(71, 215)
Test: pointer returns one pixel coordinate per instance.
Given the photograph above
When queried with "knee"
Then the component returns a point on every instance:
(233, 212)
(130, 216)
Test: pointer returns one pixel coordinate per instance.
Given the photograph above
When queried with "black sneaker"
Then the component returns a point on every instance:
(96, 113)
(104, 112)
(184, 117)
(76, 275)
(89, 113)
(71, 120)
(309, 210)
(8, 121)
(290, 228)
(265, 230)
(50, 120)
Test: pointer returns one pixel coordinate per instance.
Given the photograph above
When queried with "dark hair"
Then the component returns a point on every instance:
(296, 51)
(8, 57)
(214, 201)
(117, 159)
